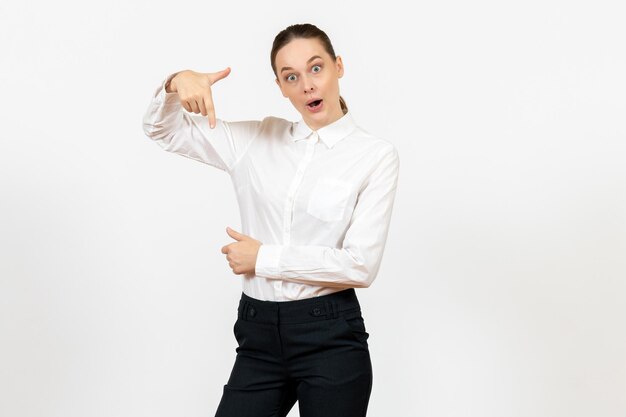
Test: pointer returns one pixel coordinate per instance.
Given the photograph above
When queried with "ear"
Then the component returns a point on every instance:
(339, 65)
(281, 87)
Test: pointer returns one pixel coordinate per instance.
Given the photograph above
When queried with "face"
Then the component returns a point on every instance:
(307, 72)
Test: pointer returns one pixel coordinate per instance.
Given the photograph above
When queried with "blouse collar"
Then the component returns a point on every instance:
(329, 134)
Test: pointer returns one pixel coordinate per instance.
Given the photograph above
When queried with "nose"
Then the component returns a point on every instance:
(308, 85)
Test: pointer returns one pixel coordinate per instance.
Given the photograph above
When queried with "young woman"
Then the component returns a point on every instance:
(315, 198)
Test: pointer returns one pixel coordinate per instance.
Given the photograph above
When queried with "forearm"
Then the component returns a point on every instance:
(316, 265)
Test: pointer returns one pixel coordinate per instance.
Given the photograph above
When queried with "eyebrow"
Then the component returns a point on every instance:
(310, 59)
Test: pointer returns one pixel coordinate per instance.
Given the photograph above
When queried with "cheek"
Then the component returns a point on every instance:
(328, 84)
(290, 89)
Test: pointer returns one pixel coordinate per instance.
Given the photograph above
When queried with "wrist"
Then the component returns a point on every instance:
(170, 86)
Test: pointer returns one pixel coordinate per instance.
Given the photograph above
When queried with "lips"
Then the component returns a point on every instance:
(312, 101)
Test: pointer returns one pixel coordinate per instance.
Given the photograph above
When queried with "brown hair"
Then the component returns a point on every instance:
(306, 31)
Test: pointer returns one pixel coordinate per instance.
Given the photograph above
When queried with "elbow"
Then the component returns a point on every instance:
(154, 127)
(361, 278)
(148, 130)
(367, 280)
(361, 274)
(151, 130)
(363, 267)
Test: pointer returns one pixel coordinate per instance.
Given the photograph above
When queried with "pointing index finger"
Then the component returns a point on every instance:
(208, 103)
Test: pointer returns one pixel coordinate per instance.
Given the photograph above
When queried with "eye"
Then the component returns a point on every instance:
(290, 77)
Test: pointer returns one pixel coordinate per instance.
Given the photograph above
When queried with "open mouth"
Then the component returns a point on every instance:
(315, 103)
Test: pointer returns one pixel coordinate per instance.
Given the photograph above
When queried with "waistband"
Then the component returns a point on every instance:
(323, 307)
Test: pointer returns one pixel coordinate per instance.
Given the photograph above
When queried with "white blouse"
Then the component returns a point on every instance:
(319, 201)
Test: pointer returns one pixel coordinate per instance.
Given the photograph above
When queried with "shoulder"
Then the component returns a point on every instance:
(375, 144)
(274, 125)
(276, 121)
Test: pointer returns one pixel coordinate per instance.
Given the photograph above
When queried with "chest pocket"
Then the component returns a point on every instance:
(328, 200)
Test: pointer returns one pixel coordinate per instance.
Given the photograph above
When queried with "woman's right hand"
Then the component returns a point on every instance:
(194, 91)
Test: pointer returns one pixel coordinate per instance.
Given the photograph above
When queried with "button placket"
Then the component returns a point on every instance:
(291, 195)
(295, 185)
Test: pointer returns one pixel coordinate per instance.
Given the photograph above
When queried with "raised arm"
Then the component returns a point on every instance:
(175, 130)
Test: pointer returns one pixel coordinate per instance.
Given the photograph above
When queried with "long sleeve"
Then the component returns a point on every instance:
(357, 262)
(188, 134)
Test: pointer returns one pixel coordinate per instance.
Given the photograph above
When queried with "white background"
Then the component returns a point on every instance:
(502, 288)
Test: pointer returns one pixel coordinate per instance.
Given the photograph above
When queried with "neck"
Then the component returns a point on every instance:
(316, 124)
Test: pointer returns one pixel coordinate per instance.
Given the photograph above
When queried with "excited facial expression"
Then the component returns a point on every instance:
(307, 73)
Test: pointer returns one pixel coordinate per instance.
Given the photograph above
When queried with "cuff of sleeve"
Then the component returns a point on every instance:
(165, 97)
(268, 261)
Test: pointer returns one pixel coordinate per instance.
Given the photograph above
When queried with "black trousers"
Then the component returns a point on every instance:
(313, 350)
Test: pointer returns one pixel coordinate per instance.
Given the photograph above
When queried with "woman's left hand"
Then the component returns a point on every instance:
(241, 255)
